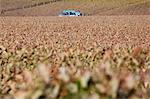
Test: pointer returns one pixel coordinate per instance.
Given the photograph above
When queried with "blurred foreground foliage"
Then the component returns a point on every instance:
(43, 73)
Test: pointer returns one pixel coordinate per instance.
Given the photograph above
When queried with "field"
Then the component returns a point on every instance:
(75, 58)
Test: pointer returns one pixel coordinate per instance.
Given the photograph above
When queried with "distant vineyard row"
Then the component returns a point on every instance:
(29, 6)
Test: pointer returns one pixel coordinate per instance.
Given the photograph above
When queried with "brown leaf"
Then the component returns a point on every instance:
(44, 72)
(136, 52)
(27, 75)
(108, 54)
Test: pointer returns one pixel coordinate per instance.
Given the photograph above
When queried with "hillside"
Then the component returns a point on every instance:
(89, 7)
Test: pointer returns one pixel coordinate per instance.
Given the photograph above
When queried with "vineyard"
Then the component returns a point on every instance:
(75, 58)
(89, 7)
(103, 55)
(96, 73)
(40, 3)
(82, 32)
